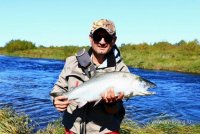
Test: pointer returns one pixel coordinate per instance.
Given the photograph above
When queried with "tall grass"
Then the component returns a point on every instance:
(12, 122)
(53, 128)
(163, 56)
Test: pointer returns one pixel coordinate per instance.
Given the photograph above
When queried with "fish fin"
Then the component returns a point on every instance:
(81, 102)
(97, 102)
(150, 93)
(127, 99)
(56, 94)
(73, 103)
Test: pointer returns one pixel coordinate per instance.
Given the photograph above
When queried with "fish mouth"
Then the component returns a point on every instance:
(151, 84)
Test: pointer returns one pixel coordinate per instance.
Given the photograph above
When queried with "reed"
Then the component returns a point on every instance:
(52, 128)
(12, 122)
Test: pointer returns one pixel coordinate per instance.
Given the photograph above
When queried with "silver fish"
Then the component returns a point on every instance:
(91, 90)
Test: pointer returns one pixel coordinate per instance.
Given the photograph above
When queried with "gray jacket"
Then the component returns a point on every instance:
(89, 119)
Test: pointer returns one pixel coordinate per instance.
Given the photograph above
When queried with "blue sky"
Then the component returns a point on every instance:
(68, 22)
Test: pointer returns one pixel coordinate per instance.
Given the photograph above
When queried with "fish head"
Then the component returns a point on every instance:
(144, 83)
(140, 86)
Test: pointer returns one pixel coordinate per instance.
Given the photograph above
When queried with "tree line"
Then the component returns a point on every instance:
(194, 45)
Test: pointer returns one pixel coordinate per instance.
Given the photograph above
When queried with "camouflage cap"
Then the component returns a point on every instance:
(108, 25)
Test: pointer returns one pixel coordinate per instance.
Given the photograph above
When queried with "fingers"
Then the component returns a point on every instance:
(110, 97)
(61, 103)
(61, 109)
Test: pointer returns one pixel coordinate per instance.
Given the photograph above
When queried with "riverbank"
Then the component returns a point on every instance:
(130, 127)
(19, 123)
(160, 56)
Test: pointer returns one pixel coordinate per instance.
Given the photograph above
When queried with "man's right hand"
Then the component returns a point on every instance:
(61, 103)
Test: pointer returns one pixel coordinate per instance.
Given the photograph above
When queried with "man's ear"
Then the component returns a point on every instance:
(114, 39)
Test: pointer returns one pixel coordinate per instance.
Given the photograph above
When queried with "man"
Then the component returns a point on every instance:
(106, 116)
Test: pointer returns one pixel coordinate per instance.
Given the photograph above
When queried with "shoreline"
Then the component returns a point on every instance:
(180, 57)
(12, 120)
(152, 69)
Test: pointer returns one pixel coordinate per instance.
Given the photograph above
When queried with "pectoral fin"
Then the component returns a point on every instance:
(97, 102)
(81, 102)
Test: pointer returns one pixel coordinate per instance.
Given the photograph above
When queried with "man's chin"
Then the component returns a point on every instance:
(102, 52)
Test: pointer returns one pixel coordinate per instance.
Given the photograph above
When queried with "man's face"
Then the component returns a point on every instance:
(102, 42)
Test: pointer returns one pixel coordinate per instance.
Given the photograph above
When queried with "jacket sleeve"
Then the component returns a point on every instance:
(62, 83)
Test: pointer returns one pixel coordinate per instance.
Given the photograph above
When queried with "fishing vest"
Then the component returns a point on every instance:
(85, 63)
(84, 59)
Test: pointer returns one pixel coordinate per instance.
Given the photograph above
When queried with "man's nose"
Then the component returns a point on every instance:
(102, 41)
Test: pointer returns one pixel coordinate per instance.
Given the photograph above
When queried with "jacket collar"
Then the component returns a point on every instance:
(111, 58)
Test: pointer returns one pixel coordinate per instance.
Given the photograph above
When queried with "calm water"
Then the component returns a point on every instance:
(25, 85)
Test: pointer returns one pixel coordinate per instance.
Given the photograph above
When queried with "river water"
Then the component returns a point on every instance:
(25, 85)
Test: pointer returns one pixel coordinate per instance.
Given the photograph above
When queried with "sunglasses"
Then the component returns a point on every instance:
(98, 36)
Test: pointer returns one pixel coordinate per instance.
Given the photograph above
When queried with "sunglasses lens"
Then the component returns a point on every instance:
(108, 39)
(97, 37)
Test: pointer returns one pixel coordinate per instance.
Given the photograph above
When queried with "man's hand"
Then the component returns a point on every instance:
(61, 103)
(110, 97)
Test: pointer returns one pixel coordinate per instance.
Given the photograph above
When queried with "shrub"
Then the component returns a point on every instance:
(16, 45)
(190, 46)
(163, 45)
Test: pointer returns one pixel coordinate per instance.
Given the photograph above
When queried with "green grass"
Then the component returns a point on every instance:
(48, 53)
(12, 122)
(159, 127)
(160, 56)
(52, 128)
(59, 53)
(173, 58)
(130, 127)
